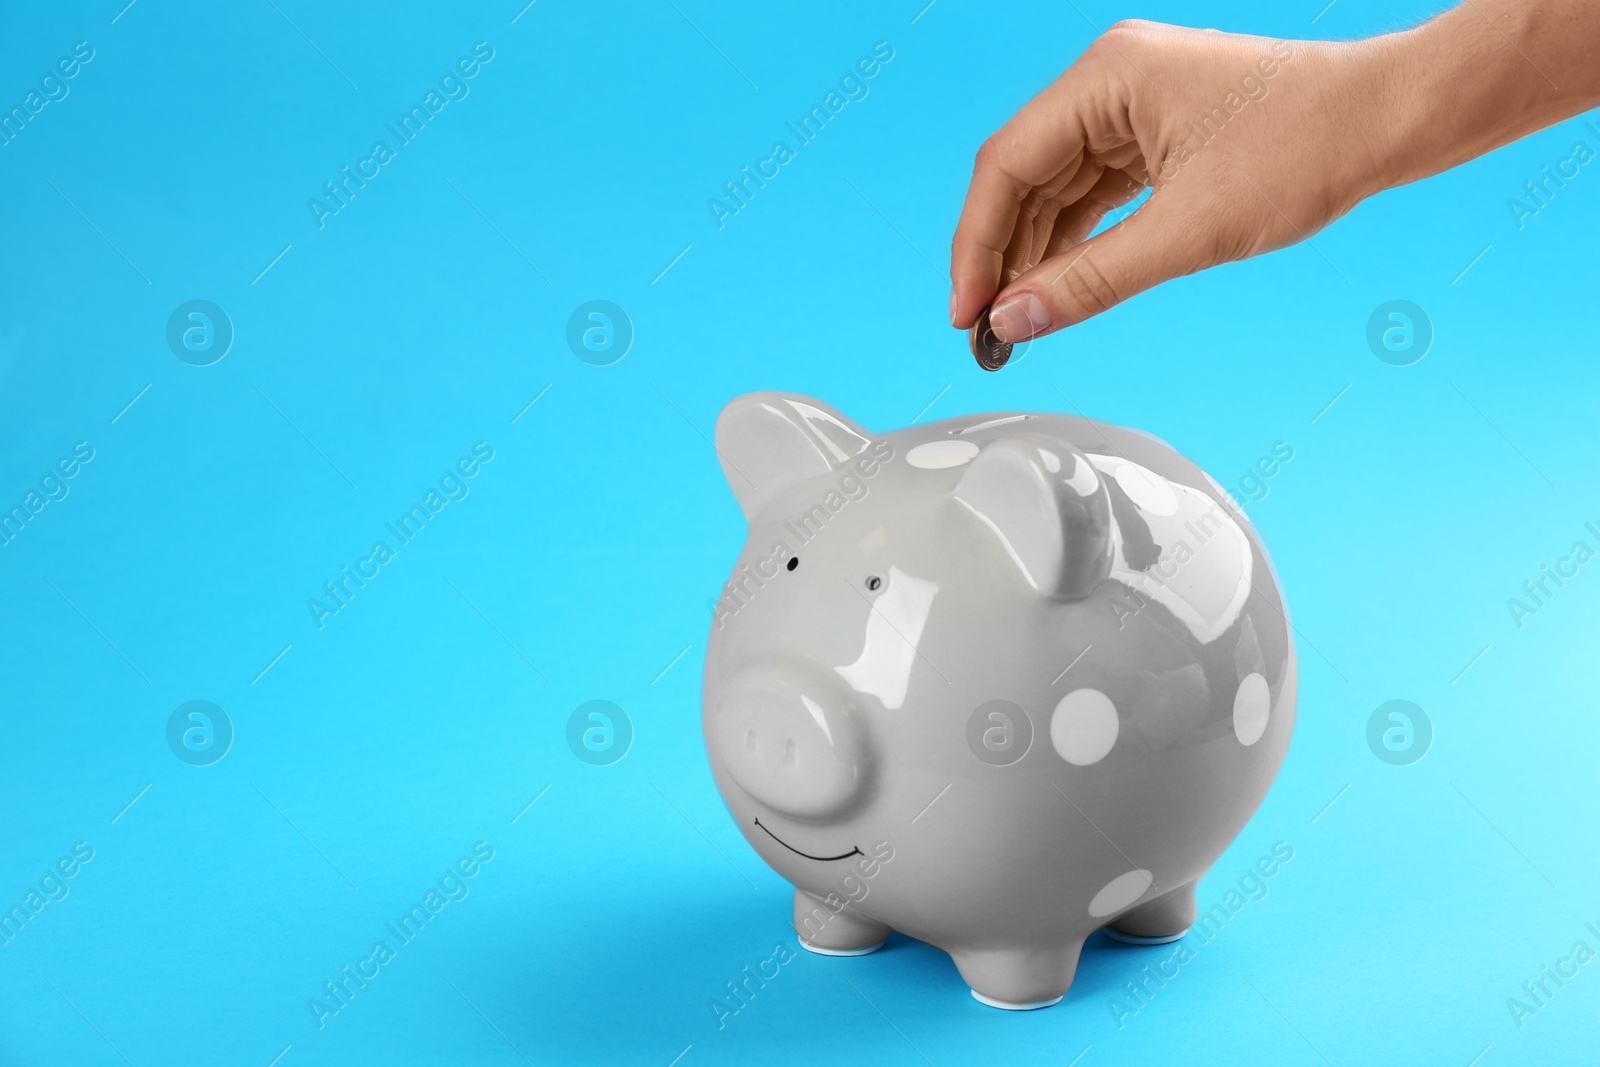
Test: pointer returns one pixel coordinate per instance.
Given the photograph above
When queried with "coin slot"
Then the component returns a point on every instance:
(976, 427)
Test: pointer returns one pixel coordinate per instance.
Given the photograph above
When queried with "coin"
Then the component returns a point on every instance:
(991, 352)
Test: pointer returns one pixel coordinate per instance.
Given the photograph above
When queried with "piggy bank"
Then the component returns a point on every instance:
(996, 682)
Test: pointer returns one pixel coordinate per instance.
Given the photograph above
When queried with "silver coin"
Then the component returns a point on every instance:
(991, 352)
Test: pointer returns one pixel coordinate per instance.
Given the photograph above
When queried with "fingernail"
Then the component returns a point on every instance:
(1020, 318)
(952, 307)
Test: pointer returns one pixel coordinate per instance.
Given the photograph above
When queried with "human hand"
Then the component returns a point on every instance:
(1250, 144)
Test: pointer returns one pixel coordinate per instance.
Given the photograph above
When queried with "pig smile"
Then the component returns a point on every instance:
(825, 859)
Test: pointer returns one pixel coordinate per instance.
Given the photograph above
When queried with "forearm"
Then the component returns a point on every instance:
(1480, 76)
(1240, 172)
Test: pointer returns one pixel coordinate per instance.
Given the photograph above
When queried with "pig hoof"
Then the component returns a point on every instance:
(1018, 979)
(1136, 939)
(1008, 1006)
(821, 951)
(828, 932)
(1158, 921)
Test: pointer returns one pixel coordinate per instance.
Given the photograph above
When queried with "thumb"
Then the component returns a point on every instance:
(1144, 250)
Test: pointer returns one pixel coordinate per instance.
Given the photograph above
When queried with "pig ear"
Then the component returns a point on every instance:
(770, 441)
(1050, 509)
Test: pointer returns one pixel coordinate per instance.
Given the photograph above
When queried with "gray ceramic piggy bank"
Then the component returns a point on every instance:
(996, 682)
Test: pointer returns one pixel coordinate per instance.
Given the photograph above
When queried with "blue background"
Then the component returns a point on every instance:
(371, 754)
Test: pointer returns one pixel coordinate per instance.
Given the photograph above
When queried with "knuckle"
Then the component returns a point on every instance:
(988, 157)
(1147, 29)
(1126, 34)
(1087, 287)
(1031, 207)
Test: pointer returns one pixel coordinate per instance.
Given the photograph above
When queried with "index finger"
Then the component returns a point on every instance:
(1039, 146)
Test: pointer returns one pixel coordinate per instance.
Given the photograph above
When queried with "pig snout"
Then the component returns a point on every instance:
(794, 743)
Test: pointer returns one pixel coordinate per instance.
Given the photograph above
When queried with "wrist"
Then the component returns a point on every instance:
(1458, 86)
(1378, 125)
(1399, 126)
(1425, 116)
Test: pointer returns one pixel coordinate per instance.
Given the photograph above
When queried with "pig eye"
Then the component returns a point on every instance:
(874, 582)
(794, 561)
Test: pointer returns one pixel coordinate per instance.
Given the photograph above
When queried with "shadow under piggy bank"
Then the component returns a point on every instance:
(996, 682)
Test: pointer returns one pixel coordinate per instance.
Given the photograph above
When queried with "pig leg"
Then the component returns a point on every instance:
(835, 933)
(1156, 922)
(1019, 979)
